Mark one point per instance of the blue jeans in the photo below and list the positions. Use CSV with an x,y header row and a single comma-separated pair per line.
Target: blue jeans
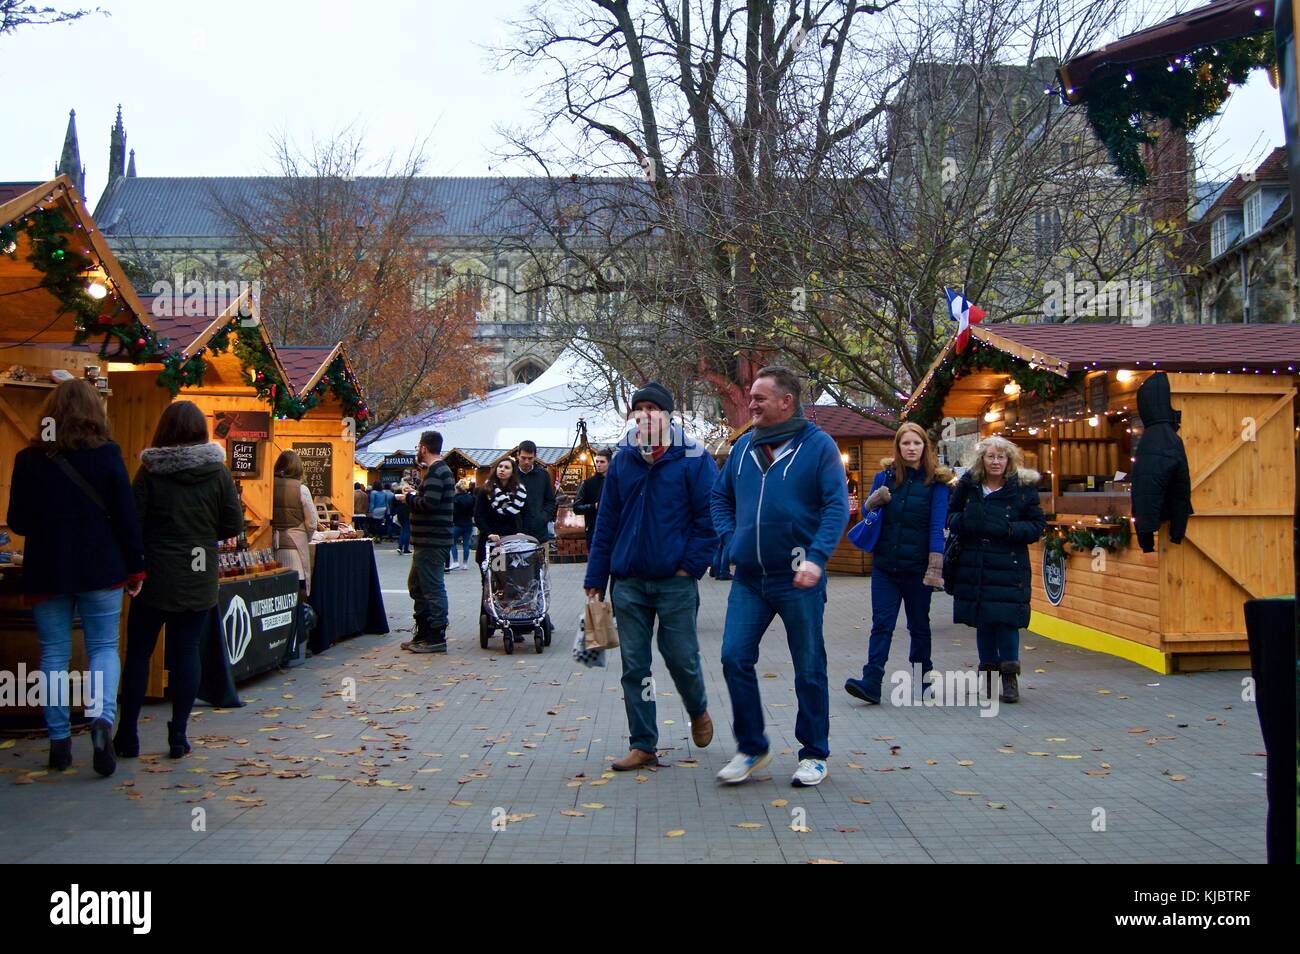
x,y
100,611
463,537
428,586
404,533
888,593
751,607
675,601
997,643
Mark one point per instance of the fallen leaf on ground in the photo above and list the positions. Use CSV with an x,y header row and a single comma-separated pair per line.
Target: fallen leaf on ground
x,y
750,825
964,794
860,800
572,814
675,833
779,803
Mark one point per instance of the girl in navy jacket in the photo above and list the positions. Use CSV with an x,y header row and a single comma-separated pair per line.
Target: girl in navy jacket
x,y
912,494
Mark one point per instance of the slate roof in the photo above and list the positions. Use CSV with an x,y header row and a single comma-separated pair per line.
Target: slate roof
x,y
181,207
302,362
845,422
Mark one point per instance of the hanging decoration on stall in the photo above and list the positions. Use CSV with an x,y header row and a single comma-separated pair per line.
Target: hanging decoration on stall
x,y
1112,534
250,348
64,269
1186,91
1033,379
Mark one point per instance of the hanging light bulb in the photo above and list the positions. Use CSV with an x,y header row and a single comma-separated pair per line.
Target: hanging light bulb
x,y
1011,389
1094,421
1124,376
97,290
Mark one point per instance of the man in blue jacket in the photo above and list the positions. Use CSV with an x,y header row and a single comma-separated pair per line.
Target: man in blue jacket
x,y
654,536
780,506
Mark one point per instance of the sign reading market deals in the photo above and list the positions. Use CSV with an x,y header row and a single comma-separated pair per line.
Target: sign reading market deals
x,y
317,468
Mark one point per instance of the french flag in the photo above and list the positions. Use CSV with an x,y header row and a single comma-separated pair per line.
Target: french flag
x,y
966,313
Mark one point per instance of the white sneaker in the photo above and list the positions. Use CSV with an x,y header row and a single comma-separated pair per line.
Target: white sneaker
x,y
454,566
809,773
742,766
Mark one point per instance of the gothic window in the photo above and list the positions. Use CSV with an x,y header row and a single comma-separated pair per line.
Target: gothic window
x,y
528,372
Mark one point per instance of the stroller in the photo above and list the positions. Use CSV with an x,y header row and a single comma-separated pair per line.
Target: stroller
x,y
515,593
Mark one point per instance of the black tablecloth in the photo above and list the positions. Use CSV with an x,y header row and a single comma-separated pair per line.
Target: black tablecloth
x,y
345,592
249,632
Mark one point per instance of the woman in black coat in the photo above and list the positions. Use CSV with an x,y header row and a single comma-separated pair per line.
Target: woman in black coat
x,y
187,502
995,513
71,499
498,511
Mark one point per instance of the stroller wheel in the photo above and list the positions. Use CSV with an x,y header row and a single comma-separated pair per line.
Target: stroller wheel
x,y
509,641
484,631
539,640
547,629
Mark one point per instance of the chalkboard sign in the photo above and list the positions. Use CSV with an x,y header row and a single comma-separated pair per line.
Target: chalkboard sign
x,y
243,458
317,468
1034,410
1097,394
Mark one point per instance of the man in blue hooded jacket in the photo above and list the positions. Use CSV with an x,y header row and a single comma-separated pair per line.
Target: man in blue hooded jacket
x,y
780,506
654,535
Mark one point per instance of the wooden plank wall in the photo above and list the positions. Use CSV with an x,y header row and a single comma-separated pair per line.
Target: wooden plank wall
x,y
1122,598
323,424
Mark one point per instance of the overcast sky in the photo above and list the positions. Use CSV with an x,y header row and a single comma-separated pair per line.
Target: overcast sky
x,y
204,85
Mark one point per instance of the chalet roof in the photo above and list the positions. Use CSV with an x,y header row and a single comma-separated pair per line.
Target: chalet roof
x,y
304,364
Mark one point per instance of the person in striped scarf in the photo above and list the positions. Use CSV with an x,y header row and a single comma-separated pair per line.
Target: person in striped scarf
x,y
498,512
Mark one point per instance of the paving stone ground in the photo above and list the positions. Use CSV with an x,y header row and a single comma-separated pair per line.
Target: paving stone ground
x,y
437,748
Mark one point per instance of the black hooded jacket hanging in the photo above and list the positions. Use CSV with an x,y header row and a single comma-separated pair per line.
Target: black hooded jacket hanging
x,y
1162,485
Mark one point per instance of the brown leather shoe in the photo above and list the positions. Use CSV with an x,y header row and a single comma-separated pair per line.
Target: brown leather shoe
x,y
702,730
634,760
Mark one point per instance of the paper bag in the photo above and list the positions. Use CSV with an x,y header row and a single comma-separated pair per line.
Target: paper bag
x,y
598,625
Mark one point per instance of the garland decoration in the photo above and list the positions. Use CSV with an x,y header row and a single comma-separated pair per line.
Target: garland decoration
x,y
1083,540
63,269
984,357
1186,91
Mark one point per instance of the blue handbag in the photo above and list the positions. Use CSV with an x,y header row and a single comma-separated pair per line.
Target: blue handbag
x,y
866,532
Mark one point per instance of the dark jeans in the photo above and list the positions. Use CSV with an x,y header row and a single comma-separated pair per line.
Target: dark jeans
x,y
675,601
888,593
404,536
751,607
185,629
427,585
462,536
997,643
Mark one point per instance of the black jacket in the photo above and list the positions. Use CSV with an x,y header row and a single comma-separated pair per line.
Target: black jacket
x,y
585,502
491,521
993,575
1162,485
71,546
905,531
462,509
186,500
540,507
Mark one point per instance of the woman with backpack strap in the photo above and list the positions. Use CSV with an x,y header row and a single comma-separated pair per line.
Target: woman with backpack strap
x,y
907,559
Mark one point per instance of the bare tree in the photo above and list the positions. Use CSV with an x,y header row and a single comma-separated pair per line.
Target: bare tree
x,y
799,181
15,14
342,252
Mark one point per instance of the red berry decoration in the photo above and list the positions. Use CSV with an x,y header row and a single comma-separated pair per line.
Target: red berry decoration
x,y
139,342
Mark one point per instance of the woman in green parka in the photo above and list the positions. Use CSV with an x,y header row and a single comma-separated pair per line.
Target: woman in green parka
x,y
187,502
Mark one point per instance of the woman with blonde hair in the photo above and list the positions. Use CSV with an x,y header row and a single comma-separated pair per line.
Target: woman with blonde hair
x,y
911,493
995,514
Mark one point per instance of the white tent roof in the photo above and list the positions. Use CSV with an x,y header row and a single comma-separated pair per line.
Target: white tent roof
x,y
546,411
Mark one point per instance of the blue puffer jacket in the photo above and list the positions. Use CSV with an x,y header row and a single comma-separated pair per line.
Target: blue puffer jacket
x,y
913,520
654,520
797,510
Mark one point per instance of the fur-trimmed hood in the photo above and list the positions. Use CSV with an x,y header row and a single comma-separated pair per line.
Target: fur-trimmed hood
x,y
1025,476
941,472
197,461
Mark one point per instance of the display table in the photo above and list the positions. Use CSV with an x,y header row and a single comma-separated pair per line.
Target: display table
x,y
345,592
250,631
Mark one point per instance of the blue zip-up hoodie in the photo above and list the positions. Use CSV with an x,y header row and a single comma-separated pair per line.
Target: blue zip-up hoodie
x,y
654,520
799,508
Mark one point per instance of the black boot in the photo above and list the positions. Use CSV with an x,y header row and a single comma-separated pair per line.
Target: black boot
x,y
1010,684
60,754
101,733
421,636
126,743
986,671
437,641
177,745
